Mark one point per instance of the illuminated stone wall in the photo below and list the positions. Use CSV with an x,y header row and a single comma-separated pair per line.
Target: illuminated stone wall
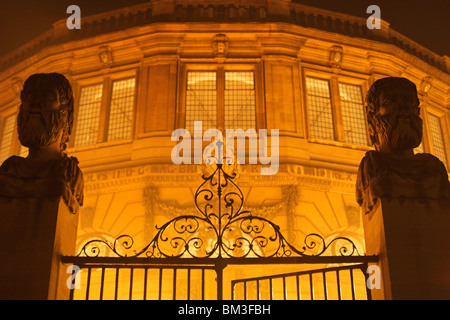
x,y
131,184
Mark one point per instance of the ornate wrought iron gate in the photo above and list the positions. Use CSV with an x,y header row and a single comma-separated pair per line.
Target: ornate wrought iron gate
x,y
209,255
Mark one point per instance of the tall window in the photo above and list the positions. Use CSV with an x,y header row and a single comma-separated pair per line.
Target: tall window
x,y
88,115
353,119
436,137
224,99
240,105
121,112
331,100
7,137
319,108
105,118
201,99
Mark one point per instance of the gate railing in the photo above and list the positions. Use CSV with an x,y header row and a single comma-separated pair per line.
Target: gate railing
x,y
220,234
114,278
346,282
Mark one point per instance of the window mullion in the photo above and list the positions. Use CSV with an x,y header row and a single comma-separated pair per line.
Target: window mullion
x,y
339,134
426,135
221,98
105,110
76,89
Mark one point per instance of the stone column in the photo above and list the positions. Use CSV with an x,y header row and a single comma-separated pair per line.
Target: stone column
x,y
412,239
34,234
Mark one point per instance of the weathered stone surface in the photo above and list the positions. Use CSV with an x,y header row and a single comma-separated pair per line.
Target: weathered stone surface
x,y
44,124
40,195
395,129
405,198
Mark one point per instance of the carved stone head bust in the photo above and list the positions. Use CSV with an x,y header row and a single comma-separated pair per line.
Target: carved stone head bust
x,y
44,125
393,115
395,129
46,113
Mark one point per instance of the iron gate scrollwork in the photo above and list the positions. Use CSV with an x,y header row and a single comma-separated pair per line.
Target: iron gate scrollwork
x,y
220,233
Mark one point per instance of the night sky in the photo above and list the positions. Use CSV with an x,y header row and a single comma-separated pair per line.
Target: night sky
x,y
425,22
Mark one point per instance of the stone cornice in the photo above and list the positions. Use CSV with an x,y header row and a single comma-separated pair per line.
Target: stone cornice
x,y
142,176
223,11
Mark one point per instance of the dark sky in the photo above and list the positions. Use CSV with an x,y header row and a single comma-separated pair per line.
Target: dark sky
x,y
425,22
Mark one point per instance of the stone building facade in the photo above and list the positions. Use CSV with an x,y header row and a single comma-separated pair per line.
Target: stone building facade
x,y
140,72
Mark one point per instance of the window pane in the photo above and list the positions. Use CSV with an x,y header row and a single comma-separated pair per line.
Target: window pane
x,y
353,114
88,115
23,152
436,137
201,99
240,105
319,108
7,137
419,149
121,113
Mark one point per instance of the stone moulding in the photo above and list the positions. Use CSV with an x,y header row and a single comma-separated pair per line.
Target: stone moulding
x,y
171,175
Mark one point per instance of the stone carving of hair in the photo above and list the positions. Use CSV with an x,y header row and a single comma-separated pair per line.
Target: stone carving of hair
x,y
373,99
60,82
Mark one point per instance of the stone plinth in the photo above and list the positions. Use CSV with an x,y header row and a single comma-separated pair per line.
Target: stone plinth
x,y
412,239
34,234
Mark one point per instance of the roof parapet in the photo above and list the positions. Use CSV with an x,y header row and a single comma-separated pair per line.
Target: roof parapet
x,y
223,11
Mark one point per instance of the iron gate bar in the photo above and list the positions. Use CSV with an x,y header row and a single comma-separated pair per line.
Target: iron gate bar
x,y
218,264
87,261
132,267
359,266
220,234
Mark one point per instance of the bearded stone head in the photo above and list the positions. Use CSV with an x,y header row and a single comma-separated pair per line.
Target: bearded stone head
x,y
393,115
46,112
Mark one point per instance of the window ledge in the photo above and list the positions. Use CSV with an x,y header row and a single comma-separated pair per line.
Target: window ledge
x,y
99,145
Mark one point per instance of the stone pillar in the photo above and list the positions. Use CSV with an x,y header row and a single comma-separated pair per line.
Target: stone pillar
x,y
412,239
34,234
404,197
40,195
